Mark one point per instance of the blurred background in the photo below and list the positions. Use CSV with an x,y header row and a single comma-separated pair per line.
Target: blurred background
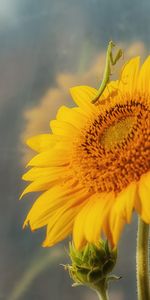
x,y
47,46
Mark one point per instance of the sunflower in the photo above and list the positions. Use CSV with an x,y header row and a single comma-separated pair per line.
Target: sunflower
x,y
93,168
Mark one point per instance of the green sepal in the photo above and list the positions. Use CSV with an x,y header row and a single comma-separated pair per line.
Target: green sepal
x,y
92,265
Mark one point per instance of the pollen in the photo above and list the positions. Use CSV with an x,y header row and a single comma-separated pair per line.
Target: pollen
x,y
113,150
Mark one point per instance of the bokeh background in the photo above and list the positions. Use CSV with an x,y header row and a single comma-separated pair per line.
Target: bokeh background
x,y
47,46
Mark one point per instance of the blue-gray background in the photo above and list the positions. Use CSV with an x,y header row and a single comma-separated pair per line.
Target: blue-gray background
x,y
43,45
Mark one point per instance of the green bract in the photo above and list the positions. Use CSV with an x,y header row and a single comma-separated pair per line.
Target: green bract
x,y
92,265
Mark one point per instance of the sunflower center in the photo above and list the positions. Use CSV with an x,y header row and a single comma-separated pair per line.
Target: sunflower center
x,y
117,132
113,150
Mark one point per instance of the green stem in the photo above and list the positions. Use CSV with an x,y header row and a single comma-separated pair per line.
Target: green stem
x,y
103,295
102,290
142,261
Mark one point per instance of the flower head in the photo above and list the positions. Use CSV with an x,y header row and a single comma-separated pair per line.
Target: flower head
x,y
94,168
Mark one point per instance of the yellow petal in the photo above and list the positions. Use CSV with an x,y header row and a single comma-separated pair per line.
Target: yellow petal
x,y
129,76
107,230
144,77
117,230
71,116
37,173
124,203
44,183
60,226
80,111
144,194
88,222
83,95
54,157
101,204
78,228
51,201
122,210
42,142
37,186
63,128
111,90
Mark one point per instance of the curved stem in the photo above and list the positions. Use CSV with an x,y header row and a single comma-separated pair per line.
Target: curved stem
x,y
142,262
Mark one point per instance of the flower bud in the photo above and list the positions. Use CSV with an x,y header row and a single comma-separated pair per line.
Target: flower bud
x,y
91,265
